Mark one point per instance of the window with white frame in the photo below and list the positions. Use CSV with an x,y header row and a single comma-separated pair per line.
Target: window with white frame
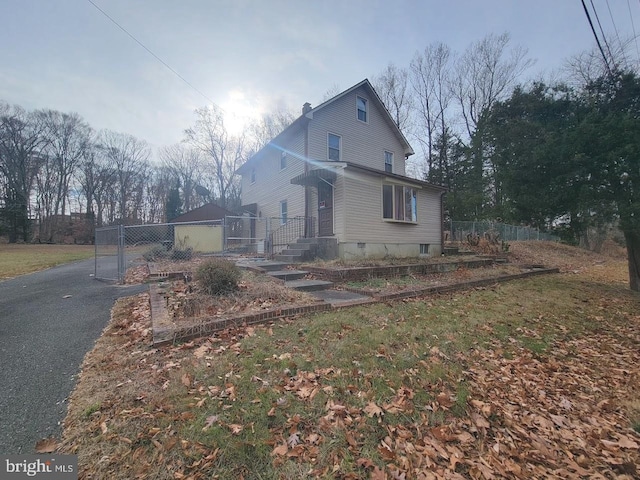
x,y
253,175
283,160
388,162
283,212
334,146
399,203
361,106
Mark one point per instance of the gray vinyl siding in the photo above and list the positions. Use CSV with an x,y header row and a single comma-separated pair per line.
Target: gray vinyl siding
x,y
364,222
362,143
273,184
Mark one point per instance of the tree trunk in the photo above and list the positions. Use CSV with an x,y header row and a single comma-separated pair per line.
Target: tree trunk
x,y
632,239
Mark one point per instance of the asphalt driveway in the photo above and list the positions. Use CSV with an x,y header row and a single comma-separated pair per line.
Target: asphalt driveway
x,y
43,339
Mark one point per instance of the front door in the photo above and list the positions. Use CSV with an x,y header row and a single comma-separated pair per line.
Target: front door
x,y
325,209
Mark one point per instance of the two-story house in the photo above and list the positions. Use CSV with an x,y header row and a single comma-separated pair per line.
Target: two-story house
x,y
340,168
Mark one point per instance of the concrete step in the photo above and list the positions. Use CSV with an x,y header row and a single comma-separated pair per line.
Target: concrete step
x,y
295,251
301,246
288,275
308,285
266,265
289,258
307,241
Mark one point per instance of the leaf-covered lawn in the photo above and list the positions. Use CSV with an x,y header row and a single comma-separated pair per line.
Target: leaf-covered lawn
x,y
535,378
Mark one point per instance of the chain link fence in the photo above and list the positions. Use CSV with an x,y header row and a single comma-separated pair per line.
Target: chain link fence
x,y
460,231
120,247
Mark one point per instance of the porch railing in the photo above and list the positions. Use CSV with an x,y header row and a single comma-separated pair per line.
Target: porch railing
x,y
288,232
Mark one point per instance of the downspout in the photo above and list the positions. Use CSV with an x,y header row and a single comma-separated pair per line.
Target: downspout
x,y
308,227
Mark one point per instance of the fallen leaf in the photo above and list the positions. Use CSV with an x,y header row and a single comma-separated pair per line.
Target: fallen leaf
x,y
235,428
209,422
46,445
373,410
280,450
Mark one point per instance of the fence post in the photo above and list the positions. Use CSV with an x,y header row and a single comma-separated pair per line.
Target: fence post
x,y
121,247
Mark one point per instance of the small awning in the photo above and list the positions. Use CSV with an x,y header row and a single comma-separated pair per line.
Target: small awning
x,y
312,177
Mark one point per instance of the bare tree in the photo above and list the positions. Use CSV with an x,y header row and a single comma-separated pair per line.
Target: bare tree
x,y
331,92
157,192
431,81
69,137
267,127
485,73
223,152
392,85
184,164
128,156
588,66
21,140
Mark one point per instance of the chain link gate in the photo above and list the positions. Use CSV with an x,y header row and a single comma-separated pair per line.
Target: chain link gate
x,y
119,247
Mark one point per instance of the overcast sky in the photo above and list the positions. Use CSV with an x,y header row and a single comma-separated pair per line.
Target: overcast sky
x,y
250,56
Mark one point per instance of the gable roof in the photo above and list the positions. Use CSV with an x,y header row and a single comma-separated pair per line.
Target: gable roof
x,y
366,84
208,211
305,117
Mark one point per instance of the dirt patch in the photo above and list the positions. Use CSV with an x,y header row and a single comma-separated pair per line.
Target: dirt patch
x,y
256,292
415,281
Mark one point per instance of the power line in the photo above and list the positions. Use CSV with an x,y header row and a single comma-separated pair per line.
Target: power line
x,y
604,57
615,29
604,37
150,52
633,27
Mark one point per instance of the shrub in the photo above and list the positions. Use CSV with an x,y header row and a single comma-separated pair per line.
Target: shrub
x,y
217,276
155,253
182,254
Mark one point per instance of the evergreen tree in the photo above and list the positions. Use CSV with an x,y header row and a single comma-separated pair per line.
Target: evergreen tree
x,y
174,203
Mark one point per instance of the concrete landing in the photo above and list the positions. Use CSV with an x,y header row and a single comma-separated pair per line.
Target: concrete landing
x,y
342,298
288,275
308,285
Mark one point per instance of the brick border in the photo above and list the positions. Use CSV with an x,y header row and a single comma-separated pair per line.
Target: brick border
x,y
165,336
461,286
358,273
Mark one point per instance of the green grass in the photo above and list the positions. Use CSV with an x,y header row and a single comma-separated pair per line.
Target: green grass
x,y
370,353
20,259
315,376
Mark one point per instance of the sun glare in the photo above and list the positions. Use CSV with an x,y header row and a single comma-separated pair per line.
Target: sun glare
x,y
239,111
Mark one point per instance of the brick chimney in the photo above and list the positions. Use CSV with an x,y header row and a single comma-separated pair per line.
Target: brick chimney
x,y
306,108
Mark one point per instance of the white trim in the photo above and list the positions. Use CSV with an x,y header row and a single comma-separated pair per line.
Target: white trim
x,y
339,147
393,219
366,109
385,161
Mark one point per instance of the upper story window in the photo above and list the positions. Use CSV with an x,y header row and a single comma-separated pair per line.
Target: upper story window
x,y
283,160
361,104
253,175
388,162
334,145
